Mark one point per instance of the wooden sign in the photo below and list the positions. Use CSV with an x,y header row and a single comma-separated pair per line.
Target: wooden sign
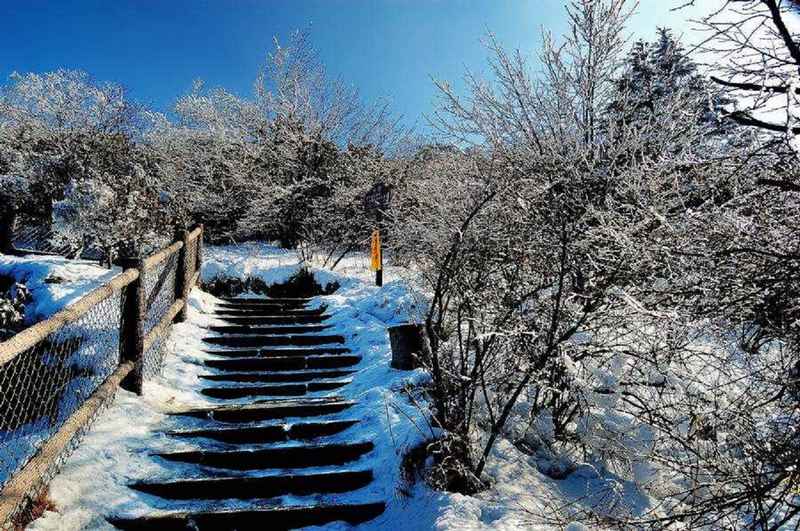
x,y
376,263
378,197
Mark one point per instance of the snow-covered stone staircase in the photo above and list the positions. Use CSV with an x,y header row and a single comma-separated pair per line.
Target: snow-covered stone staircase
x,y
276,374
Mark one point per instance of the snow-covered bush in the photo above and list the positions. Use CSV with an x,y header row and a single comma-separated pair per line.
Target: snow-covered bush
x,y
68,140
302,283
593,261
304,147
12,307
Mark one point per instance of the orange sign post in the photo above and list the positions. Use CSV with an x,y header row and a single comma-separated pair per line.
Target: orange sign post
x,y
376,262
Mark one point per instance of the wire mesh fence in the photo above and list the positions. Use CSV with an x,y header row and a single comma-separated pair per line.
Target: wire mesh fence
x,y
51,372
159,286
32,233
44,385
35,234
154,357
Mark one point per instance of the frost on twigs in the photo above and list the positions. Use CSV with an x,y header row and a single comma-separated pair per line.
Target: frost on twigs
x,y
614,286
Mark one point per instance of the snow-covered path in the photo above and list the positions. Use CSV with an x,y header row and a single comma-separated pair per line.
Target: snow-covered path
x,y
125,445
259,455
122,446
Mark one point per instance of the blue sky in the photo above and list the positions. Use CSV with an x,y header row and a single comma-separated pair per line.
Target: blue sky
x,y
387,48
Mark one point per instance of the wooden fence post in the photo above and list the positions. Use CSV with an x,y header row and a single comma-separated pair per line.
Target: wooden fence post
x,y
183,273
131,338
7,222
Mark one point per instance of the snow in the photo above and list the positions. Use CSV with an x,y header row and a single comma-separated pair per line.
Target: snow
x,y
54,282
117,450
273,265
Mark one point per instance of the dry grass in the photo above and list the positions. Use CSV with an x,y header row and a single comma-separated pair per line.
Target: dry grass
x,y
37,507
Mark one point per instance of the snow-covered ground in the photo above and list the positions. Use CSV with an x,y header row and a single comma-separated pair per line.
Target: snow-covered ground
x,y
274,265
54,282
117,450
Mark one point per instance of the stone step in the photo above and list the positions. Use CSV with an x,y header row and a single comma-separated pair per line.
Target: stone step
x,y
250,488
257,304
278,518
286,363
232,393
267,312
270,410
286,319
300,431
273,340
264,349
282,457
293,389
275,377
268,330
277,352
265,299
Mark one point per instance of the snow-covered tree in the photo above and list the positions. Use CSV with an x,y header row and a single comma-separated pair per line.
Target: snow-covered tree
x,y
267,166
755,49
115,208
68,140
512,238
585,300
654,72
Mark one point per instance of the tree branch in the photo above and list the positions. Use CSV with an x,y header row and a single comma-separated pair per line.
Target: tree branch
x,y
742,118
777,20
777,89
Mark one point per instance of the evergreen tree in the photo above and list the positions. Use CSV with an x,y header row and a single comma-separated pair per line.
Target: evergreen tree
x,y
655,72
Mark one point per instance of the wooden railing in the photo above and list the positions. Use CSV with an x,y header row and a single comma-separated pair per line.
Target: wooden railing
x,y
56,375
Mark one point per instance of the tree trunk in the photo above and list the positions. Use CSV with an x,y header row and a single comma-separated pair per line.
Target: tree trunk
x,y
7,221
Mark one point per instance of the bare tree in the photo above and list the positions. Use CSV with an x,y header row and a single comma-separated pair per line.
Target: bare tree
x,y
601,287
756,56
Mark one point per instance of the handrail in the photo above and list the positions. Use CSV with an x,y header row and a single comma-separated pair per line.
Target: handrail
x,y
193,235
163,254
14,494
30,337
